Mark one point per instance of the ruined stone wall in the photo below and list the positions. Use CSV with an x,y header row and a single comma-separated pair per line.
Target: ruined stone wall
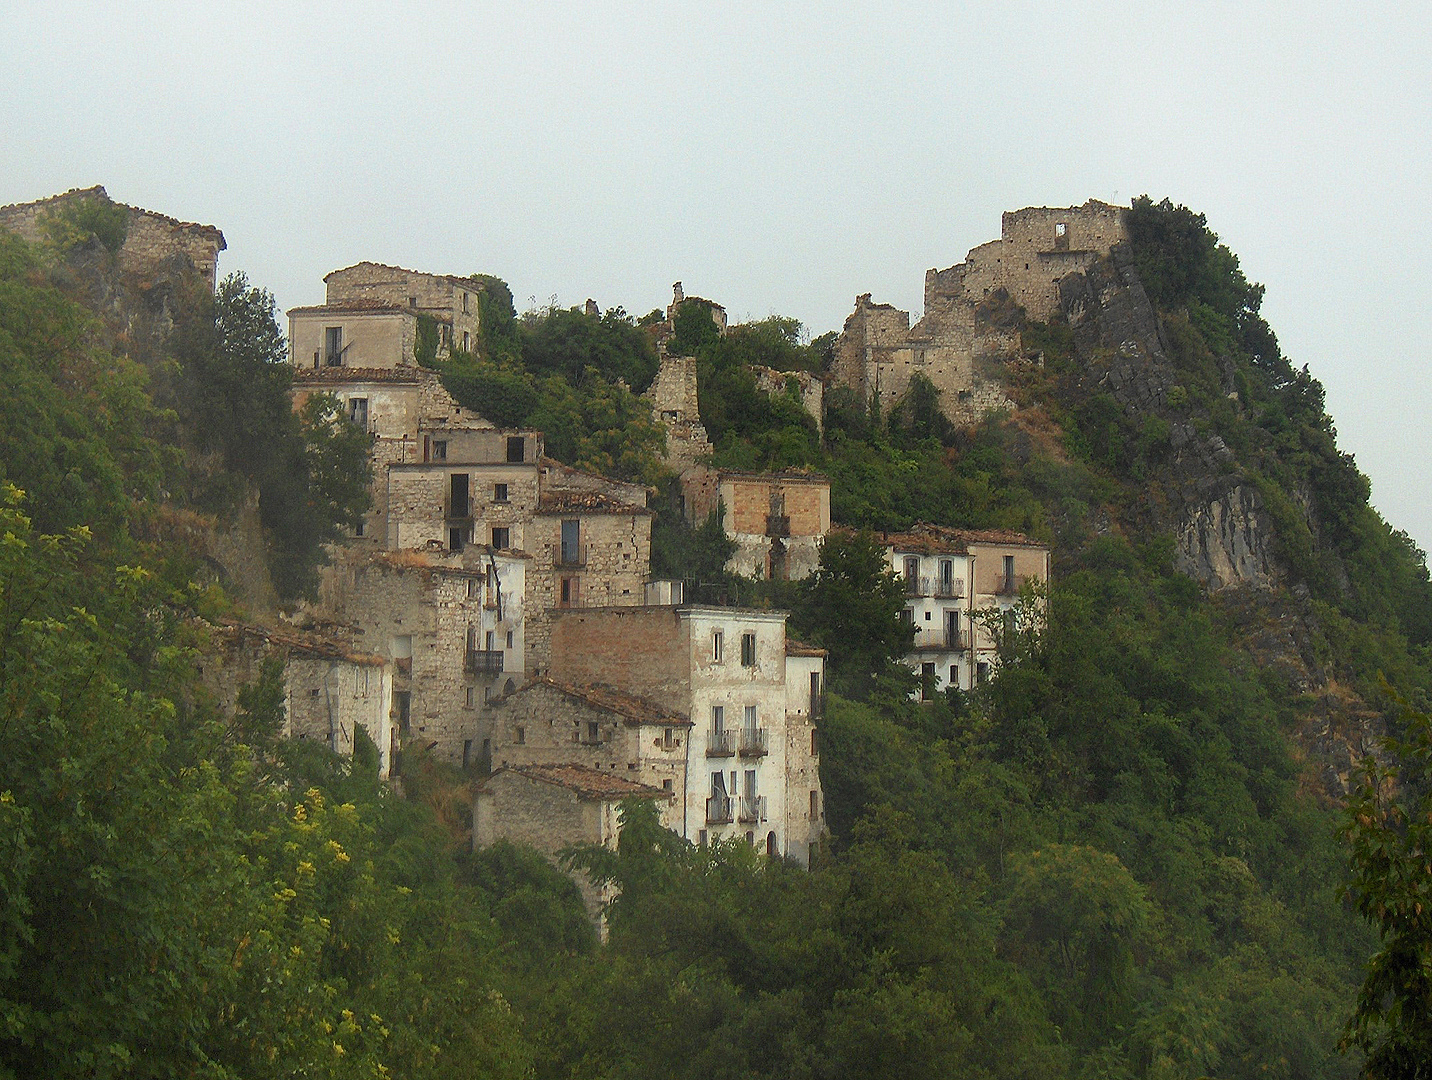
x,y
777,522
152,239
869,332
809,386
674,403
439,295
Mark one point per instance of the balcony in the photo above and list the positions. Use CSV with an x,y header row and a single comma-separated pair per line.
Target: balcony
x,y
483,662
571,555
917,586
752,808
939,640
778,525
949,588
720,743
753,742
718,810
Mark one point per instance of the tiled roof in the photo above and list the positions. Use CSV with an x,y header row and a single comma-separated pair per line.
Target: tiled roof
x,y
923,539
800,648
341,374
301,640
588,502
354,307
637,710
801,476
587,782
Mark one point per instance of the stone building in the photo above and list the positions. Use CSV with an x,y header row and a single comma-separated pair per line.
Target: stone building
x,y
330,689
547,722
552,807
150,241
970,327
776,519
804,385
673,402
452,625
753,699
950,575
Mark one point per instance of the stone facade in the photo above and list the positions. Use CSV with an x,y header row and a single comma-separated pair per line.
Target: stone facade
x,y
329,689
552,807
673,402
809,387
950,575
151,239
451,623
450,300
776,519
751,761
971,319
547,722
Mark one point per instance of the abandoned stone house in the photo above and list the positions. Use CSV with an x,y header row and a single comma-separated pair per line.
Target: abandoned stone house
x,y
970,326
739,706
551,807
330,690
461,509
150,242
950,576
777,519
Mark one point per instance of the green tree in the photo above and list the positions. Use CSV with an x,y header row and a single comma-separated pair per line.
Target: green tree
x,y
1389,828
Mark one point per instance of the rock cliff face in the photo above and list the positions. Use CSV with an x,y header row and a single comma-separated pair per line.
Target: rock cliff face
x,y
1222,534
1225,537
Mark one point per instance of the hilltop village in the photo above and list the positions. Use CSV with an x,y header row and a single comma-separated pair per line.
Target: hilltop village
x,y
496,608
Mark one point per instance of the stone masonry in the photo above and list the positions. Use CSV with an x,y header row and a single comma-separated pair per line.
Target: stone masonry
x,y
151,238
971,319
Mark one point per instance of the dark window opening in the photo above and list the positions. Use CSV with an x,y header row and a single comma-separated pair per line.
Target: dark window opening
x,y
358,411
499,493
333,346
748,650
516,449
459,506
501,537
439,449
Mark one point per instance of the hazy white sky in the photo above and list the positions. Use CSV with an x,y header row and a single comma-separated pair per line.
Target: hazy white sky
x,y
780,158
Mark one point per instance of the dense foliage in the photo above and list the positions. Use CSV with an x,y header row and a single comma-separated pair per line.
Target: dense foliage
x,y
1108,862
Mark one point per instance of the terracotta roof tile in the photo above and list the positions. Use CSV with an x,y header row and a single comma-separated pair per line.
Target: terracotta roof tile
x,y
358,375
587,782
800,648
637,710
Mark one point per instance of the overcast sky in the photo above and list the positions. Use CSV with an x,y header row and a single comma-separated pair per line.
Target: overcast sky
x,y
779,158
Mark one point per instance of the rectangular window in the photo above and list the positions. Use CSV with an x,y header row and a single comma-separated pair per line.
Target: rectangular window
x,y
439,449
1008,583
464,302
501,537
593,733
718,639
358,411
700,837
571,550
499,493
333,346
912,568
748,650
718,718
749,718
814,743
509,639
666,785
815,805
515,450
457,538
520,735
570,594
466,752
467,703
458,503
466,341
474,588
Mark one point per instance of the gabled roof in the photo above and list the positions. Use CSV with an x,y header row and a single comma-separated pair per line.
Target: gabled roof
x,y
303,641
586,782
632,709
